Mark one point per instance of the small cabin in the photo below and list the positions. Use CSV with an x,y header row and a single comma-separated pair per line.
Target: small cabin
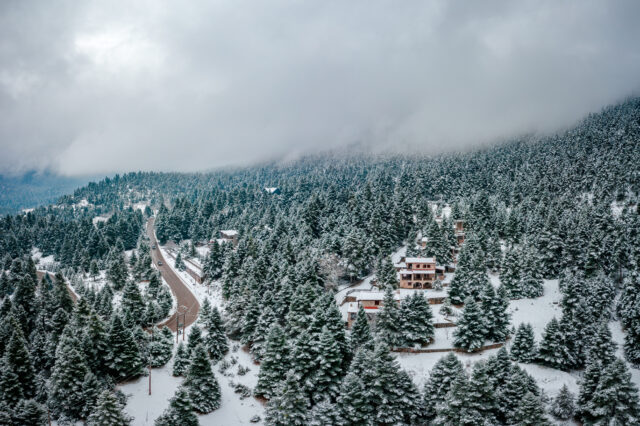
x,y
230,235
273,190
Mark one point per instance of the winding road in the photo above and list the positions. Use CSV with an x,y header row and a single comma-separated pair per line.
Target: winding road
x,y
187,302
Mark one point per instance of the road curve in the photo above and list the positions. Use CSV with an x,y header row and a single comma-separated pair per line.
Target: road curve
x,y
186,300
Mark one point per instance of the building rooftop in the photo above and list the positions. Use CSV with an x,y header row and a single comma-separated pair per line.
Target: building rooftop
x,y
420,260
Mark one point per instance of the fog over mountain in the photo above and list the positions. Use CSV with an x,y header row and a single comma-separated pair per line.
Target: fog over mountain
x,y
99,87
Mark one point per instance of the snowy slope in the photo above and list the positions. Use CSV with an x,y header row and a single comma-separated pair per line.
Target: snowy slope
x,y
233,410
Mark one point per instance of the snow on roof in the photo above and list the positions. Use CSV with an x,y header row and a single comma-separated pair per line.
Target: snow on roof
x,y
400,265
219,240
229,232
352,307
97,219
368,295
425,239
271,190
372,295
420,260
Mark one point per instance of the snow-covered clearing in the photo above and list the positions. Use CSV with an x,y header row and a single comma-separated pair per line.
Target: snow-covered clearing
x,y
146,408
233,410
538,312
618,337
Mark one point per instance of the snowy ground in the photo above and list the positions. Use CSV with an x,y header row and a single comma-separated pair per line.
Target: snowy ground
x,y
44,263
233,410
538,312
146,408
618,337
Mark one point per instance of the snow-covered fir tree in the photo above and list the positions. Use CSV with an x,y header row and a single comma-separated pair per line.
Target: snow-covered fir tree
x,y
523,348
531,412
290,404
417,320
124,359
180,411
439,383
108,412
471,328
563,405
181,360
389,327
201,384
360,331
215,341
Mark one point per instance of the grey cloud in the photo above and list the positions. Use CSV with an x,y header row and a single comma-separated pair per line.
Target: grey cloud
x,y
97,87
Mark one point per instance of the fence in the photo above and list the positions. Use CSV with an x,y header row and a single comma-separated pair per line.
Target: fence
x,y
459,350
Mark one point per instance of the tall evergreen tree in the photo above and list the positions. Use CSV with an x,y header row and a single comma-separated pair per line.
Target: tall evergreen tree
x,y
417,320
17,361
327,377
179,412
523,348
439,383
275,363
124,359
386,273
615,400
201,384
530,412
360,331
289,406
29,412
511,394
132,301
388,323
323,413
563,405
181,360
553,351
481,395
457,409
66,397
216,340
471,330
108,412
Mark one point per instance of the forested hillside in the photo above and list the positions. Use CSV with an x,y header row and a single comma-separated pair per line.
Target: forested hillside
x,y
34,189
562,207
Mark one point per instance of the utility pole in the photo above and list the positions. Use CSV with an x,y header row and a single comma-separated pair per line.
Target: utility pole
x,y
184,323
150,363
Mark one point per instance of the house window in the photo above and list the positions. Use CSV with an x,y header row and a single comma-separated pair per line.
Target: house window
x,y
377,302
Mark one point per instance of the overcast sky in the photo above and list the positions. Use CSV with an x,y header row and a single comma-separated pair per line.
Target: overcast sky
x,y
89,87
